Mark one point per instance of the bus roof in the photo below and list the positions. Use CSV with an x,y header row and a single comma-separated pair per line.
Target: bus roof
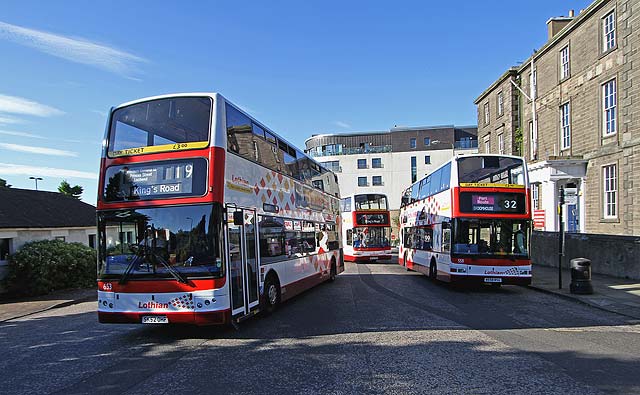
x,y
215,96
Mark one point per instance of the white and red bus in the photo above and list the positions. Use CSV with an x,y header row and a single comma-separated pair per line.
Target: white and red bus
x,y
366,227
469,221
205,216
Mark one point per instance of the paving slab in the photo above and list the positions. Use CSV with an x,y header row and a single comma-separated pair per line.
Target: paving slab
x,y
11,309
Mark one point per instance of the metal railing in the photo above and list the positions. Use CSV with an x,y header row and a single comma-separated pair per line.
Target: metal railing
x,y
353,151
466,144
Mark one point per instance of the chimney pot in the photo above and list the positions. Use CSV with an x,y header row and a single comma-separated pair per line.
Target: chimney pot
x,y
571,13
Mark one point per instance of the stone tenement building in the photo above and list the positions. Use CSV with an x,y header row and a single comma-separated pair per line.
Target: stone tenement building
x,y
586,133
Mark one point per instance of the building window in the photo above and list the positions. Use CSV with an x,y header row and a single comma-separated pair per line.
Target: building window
x,y
533,84
565,126
414,170
362,181
486,113
376,180
412,143
376,163
487,145
564,63
362,163
609,107
333,165
533,139
500,103
92,241
610,191
427,159
609,31
5,250
501,144
427,141
535,196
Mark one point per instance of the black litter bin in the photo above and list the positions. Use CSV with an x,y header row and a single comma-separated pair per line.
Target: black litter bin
x,y
581,276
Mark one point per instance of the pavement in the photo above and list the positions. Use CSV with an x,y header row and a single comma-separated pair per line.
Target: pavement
x,y
21,307
611,294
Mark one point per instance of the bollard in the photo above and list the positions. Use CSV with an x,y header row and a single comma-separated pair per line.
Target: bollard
x,y
581,276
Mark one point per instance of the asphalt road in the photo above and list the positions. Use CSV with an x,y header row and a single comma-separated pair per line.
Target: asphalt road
x,y
377,329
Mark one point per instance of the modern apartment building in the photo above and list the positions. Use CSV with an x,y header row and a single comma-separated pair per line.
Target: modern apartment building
x,y
572,109
389,161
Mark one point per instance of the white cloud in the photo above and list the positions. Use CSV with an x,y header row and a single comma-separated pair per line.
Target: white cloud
x,y
22,134
76,50
343,125
37,150
7,120
20,105
13,169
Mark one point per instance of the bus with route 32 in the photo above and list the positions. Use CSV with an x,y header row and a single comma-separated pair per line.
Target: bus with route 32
x,y
469,221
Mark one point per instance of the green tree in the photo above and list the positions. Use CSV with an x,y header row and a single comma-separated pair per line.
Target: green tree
x,y
66,189
3,183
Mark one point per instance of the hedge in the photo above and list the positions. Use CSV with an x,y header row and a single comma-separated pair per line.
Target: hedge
x,y
40,267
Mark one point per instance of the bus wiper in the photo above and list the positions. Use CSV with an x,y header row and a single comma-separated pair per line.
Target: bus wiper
x,y
130,266
169,268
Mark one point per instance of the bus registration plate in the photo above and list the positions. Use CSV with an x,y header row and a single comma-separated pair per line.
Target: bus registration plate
x,y
155,319
492,280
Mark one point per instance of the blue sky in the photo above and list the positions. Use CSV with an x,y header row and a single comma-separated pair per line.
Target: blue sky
x,y
299,67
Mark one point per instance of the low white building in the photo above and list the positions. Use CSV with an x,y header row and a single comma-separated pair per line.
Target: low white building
x,y
390,161
27,215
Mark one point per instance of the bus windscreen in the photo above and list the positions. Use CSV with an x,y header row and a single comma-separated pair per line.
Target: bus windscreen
x,y
370,201
490,170
160,125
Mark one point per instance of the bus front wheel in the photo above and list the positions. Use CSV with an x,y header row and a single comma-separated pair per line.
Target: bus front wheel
x,y
271,294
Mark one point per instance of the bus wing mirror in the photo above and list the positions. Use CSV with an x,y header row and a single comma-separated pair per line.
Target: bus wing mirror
x,y
238,218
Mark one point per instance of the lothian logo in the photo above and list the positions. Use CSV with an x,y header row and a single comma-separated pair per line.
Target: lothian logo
x,y
152,305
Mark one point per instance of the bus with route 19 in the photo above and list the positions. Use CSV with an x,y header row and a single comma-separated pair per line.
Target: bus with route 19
x,y
205,216
366,227
469,221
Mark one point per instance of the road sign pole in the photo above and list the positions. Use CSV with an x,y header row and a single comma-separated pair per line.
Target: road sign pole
x,y
560,236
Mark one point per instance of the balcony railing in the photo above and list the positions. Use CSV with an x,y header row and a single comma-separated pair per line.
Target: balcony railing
x,y
354,151
467,144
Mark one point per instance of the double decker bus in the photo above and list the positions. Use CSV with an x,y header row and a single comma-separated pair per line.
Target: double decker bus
x,y
469,221
366,227
205,216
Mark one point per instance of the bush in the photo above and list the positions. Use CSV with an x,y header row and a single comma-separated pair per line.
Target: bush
x,y
43,266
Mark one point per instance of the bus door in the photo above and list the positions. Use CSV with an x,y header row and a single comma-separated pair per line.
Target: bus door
x,y
243,260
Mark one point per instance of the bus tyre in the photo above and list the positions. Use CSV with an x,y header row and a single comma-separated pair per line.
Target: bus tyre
x,y
333,272
433,271
271,294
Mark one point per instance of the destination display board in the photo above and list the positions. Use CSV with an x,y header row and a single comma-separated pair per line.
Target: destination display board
x,y
156,180
492,202
372,219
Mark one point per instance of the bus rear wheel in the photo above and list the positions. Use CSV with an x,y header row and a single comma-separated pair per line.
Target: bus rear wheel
x,y
333,272
433,271
271,294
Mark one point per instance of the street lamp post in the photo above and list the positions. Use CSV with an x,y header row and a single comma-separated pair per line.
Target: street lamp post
x,y
36,180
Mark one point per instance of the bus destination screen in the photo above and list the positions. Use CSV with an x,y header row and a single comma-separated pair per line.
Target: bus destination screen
x,y
372,219
507,203
156,180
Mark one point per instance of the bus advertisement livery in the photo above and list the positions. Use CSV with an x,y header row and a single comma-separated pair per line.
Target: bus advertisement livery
x,y
469,221
205,216
366,227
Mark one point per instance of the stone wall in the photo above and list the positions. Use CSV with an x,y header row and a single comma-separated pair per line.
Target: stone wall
x,y
617,256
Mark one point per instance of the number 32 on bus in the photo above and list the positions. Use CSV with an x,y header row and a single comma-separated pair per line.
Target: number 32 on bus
x,y
469,221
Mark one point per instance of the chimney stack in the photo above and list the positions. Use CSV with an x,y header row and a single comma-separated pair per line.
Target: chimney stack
x,y
555,24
